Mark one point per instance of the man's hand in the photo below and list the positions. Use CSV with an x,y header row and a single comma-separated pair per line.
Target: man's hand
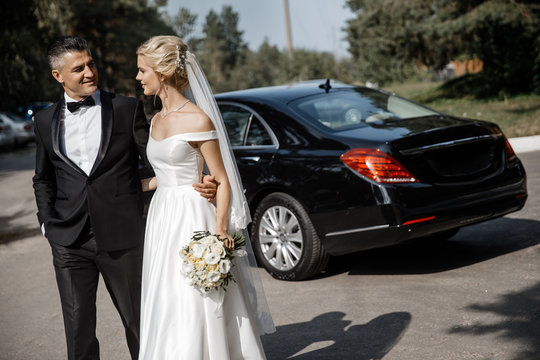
x,y
207,188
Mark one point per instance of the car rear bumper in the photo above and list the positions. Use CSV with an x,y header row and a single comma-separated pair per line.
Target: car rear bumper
x,y
397,225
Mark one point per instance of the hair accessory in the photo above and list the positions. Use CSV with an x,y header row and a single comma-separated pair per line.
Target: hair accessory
x,y
180,60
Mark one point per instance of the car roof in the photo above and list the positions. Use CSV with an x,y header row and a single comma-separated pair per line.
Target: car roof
x,y
284,93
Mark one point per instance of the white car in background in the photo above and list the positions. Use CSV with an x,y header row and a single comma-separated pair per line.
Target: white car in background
x,y
22,129
7,137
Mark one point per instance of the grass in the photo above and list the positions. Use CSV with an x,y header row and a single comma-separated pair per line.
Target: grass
x,y
516,116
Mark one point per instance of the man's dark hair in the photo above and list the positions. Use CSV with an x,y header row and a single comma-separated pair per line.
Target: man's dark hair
x,y
63,45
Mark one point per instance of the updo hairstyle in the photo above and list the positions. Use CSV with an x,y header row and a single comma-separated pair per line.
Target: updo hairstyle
x,y
166,55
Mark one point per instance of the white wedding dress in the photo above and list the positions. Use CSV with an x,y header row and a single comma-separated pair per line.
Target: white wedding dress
x,y
177,322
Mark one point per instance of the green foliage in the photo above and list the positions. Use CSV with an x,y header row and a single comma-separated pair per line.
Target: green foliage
x,y
113,29
184,24
516,115
391,40
504,35
260,67
386,39
222,49
23,65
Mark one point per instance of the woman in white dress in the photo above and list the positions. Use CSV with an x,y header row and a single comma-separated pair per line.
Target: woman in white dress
x,y
177,320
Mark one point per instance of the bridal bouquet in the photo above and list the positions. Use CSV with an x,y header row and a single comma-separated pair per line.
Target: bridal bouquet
x,y
207,261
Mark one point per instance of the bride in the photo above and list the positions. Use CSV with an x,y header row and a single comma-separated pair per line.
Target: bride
x,y
177,320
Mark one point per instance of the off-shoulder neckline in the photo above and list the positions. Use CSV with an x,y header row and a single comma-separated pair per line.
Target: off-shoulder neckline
x,y
180,134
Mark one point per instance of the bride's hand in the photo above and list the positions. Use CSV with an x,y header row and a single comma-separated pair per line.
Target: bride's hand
x,y
228,240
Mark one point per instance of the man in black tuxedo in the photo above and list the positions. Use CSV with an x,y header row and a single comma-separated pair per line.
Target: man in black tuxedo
x,y
89,196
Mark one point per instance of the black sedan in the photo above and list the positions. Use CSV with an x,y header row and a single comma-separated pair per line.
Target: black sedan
x,y
331,169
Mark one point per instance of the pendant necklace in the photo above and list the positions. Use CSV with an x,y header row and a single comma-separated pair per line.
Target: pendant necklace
x,y
163,116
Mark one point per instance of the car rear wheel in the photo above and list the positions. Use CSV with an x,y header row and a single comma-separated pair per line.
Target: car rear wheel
x,y
285,240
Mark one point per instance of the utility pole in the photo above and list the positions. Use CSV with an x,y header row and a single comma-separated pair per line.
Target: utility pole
x,y
288,28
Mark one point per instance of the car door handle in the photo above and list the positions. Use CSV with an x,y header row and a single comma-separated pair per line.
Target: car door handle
x,y
250,159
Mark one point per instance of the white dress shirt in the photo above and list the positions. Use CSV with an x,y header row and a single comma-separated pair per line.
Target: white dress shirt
x,y
80,133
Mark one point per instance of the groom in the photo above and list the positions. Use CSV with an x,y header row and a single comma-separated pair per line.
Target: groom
x,y
88,193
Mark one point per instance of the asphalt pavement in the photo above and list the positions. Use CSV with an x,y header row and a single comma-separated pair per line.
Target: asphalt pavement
x,y
476,296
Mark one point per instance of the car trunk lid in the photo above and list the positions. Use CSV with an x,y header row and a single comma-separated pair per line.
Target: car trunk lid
x,y
456,153
439,149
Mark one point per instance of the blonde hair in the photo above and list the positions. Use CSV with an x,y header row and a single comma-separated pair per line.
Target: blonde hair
x,y
166,55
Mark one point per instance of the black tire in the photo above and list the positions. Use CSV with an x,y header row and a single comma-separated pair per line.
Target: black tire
x,y
295,258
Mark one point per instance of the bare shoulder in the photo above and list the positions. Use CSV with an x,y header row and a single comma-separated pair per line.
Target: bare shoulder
x,y
198,121
189,120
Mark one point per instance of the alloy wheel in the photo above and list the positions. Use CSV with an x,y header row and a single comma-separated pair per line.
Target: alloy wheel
x,y
280,238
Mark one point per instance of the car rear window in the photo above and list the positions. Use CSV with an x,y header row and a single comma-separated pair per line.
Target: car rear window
x,y
345,109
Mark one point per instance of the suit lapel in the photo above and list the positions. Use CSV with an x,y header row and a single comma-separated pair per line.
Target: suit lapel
x,y
106,127
55,137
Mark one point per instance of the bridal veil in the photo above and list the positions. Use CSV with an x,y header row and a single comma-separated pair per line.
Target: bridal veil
x,y
200,93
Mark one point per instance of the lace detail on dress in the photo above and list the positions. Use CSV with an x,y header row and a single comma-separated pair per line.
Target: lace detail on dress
x,y
238,219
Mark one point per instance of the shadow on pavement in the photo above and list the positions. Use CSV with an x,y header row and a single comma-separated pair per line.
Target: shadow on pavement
x,y
520,323
9,232
471,245
328,336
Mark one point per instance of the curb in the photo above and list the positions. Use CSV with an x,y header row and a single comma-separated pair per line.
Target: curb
x,y
525,144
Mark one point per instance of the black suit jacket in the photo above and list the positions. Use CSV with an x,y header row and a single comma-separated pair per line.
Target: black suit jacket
x,y
110,196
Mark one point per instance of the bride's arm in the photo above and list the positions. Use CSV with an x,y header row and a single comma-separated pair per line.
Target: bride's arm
x,y
149,184
212,156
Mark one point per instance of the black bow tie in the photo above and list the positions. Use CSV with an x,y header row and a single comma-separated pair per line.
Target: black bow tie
x,y
75,105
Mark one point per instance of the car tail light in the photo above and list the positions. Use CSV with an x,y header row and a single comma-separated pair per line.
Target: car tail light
x,y
1,129
377,165
28,127
510,154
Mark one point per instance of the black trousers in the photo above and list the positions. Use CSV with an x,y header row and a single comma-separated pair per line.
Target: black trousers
x,y
77,273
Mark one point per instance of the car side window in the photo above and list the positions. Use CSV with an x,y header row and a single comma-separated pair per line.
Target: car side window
x,y
236,122
257,134
243,127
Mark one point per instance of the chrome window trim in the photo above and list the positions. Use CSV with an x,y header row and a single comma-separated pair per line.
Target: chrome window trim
x,y
268,129
248,126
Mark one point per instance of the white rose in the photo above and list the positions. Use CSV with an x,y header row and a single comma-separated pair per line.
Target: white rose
x,y
214,276
198,250
218,249
190,281
224,266
209,240
211,259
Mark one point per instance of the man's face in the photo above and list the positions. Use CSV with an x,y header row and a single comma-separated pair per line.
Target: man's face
x,y
78,74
